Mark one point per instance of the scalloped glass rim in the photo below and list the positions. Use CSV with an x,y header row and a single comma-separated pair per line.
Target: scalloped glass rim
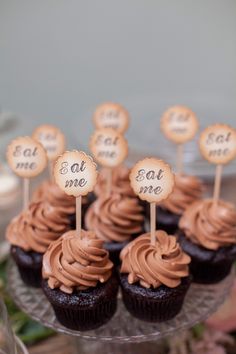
x,y
201,301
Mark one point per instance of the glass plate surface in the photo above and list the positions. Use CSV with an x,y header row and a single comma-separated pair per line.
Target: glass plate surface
x,y
201,301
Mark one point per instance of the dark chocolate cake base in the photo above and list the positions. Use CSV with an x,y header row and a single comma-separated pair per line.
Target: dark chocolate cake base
x,y
29,265
208,266
153,305
167,221
86,309
114,249
72,218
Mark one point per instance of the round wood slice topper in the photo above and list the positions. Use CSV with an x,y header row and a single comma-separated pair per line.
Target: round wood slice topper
x,y
108,147
75,173
152,180
111,115
218,143
52,139
26,157
179,124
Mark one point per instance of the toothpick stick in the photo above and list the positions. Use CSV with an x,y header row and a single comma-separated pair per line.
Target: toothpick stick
x,y
179,160
25,192
153,222
109,181
78,215
50,170
217,185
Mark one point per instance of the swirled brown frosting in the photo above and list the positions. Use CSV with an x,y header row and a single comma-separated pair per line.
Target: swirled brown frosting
x,y
151,266
50,192
187,190
78,263
36,227
115,218
208,225
120,182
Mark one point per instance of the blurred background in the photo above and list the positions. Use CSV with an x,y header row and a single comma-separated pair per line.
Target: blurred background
x,y
60,58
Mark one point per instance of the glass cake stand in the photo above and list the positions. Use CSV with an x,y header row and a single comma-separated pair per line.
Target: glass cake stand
x,y
201,301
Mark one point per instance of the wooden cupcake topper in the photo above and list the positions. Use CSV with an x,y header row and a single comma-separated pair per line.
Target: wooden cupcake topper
x,y
53,141
218,146
111,115
27,159
76,175
153,181
179,124
109,149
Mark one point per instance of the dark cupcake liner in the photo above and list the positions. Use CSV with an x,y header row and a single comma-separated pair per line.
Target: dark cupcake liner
x,y
114,248
166,220
72,218
87,309
29,265
153,305
208,266
91,197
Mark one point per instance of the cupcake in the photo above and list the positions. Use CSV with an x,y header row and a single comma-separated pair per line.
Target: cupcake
x,y
120,182
154,279
187,190
79,282
30,234
116,220
208,234
50,192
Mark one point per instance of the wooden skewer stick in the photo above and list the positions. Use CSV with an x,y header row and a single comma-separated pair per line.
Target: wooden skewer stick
x,y
109,182
26,196
217,185
153,222
50,170
78,215
180,158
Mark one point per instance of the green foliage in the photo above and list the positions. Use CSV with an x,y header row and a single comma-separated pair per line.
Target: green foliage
x,y
28,330
198,330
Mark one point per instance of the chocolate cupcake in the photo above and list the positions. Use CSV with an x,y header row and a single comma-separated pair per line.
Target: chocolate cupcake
x,y
116,220
49,192
187,190
79,281
30,234
154,279
208,234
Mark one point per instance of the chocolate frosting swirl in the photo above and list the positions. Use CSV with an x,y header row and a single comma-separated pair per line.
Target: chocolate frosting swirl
x,y
115,218
208,225
120,182
187,190
50,192
78,263
35,228
164,263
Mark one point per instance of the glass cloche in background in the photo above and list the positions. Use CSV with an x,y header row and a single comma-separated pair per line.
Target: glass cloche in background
x,y
10,188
